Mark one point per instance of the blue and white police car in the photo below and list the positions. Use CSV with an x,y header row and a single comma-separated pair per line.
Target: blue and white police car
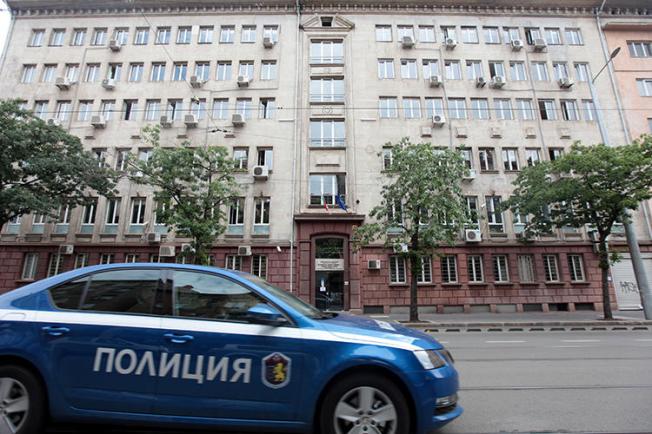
x,y
181,345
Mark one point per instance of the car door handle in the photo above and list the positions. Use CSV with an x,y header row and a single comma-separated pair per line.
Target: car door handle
x,y
55,331
178,339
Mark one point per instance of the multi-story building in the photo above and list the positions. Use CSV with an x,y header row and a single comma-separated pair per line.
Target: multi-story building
x,y
306,95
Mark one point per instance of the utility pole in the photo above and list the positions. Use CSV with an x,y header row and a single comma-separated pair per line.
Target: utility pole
x,y
632,242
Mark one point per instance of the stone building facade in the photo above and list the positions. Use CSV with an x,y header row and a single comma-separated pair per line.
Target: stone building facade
x,y
306,95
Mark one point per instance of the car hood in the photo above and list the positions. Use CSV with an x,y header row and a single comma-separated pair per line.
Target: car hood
x,y
377,332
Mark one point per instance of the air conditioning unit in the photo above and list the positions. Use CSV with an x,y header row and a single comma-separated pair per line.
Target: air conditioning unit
x,y
165,121
187,248
108,83
450,43
167,251
243,81
54,122
244,250
237,119
63,83
497,82
426,132
517,44
66,249
435,80
472,235
480,82
401,248
438,120
195,81
470,175
407,41
540,44
566,83
152,237
115,45
261,172
190,120
98,121
373,264
268,42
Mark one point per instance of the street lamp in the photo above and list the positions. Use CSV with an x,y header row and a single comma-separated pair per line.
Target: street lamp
x,y
632,242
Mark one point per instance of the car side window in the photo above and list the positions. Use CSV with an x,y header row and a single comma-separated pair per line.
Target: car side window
x,y
68,295
122,291
202,295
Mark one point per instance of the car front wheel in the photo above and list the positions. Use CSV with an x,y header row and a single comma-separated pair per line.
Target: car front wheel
x,y
22,401
364,404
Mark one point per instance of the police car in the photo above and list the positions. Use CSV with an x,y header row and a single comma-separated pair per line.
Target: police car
x,y
183,345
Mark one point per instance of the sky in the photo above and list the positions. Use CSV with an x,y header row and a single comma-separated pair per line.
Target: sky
x,y
4,24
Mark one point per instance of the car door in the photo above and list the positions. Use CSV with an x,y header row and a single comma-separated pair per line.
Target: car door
x,y
221,365
101,340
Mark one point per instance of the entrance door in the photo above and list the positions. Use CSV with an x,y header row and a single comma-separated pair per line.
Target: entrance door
x,y
329,273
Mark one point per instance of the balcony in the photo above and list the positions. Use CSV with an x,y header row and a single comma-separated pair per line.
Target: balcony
x,y
327,60
328,142
337,98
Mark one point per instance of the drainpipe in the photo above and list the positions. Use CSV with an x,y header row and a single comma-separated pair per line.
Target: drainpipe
x,y
296,140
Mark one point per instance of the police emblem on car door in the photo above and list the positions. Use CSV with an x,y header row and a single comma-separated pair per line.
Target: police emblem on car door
x,y
276,370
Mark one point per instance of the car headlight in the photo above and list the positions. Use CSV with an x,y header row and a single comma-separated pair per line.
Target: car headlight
x,y
448,356
429,359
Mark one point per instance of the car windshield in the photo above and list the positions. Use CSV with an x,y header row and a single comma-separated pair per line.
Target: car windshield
x,y
294,302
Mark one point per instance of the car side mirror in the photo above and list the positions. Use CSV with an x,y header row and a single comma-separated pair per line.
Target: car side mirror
x,y
265,314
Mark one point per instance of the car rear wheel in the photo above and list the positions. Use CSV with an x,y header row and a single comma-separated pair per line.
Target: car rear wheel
x,y
364,404
22,401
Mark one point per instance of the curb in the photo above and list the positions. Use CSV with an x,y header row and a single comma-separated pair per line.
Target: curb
x,y
538,326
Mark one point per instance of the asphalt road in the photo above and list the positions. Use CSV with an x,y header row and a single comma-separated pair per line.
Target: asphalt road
x,y
541,382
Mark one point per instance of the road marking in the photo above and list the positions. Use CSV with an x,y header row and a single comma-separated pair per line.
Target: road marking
x,y
505,342
580,340
643,340
570,346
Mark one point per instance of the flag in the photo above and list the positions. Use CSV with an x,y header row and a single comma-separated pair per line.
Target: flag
x,y
326,206
340,202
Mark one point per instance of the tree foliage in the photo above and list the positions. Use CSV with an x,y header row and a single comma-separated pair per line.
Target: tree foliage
x,y
422,206
192,187
43,167
593,186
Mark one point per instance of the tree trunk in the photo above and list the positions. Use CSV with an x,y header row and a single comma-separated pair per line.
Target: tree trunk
x,y
414,300
604,266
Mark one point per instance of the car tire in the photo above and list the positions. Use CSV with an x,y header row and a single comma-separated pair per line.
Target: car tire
x,y
364,403
22,400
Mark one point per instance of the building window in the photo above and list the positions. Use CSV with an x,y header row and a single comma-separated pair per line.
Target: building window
x,y
243,106
576,268
540,71
474,266
430,68
268,70
29,72
388,107
135,72
142,36
408,68
71,72
517,71
48,74
56,264
84,111
560,69
205,35
640,48
324,189
233,262
469,35
121,35
533,157
552,36
434,106
503,109
179,71
582,72
511,34
261,211
223,71
115,71
474,69
426,33
81,260
491,35
131,258
547,109
175,109
63,110
412,108
113,211
531,34
259,266
227,34
99,37
56,37
452,70
220,108
328,52
494,215
107,108
41,109
385,68
449,269
396,270
30,263
129,109
573,37
184,35
152,109
510,159
203,70
106,258
138,211
198,108
163,35
327,90
570,110
425,273
525,109
550,268
265,157
555,153
271,32
246,69
267,108
248,35
92,73
36,39
501,271
404,31
448,32
644,86
383,33
328,133
479,109
241,158
236,212
467,156
487,159
457,108
496,69
388,158
526,268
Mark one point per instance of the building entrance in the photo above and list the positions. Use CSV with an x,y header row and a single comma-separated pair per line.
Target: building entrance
x,y
329,273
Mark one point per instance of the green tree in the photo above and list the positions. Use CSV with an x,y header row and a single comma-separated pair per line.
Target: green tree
x,y
422,206
192,187
43,167
594,186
